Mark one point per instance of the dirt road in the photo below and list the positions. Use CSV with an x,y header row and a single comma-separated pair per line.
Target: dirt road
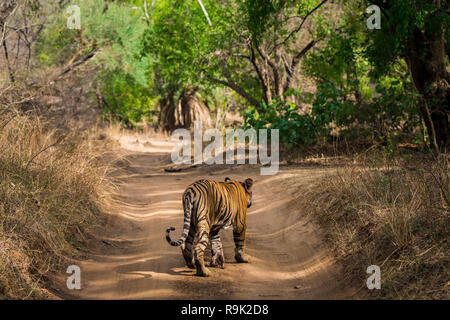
x,y
134,261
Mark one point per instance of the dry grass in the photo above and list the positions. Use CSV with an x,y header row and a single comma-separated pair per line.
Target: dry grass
x,y
51,190
394,214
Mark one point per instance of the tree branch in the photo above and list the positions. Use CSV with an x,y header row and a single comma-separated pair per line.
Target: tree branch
x,y
239,90
146,11
295,61
261,74
296,30
275,69
5,51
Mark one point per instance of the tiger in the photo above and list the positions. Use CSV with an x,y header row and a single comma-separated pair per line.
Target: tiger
x,y
208,207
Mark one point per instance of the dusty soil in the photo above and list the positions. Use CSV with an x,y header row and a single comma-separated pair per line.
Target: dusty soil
x,y
130,259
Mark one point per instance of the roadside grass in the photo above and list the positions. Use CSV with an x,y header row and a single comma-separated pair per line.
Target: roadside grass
x,y
394,214
52,189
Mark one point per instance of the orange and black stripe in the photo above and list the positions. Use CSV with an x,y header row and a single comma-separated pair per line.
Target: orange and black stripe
x,y
210,205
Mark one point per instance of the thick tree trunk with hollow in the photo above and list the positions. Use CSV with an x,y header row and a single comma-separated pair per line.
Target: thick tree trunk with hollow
x,y
190,109
184,112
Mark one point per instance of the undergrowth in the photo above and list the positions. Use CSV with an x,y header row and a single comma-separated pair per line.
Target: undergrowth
x,y
51,192
394,214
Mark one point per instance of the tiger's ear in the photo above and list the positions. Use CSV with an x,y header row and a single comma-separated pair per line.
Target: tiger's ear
x,y
248,183
227,179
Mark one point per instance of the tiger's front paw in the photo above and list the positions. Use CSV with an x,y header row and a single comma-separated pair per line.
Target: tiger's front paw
x,y
203,272
240,256
218,258
242,259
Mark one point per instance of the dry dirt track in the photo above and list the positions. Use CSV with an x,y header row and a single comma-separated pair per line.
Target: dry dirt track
x,y
288,258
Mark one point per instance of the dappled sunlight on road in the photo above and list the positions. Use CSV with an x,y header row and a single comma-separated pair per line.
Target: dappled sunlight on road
x,y
287,257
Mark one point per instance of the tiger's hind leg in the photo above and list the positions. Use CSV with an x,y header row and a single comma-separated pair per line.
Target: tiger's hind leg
x,y
218,258
239,241
186,248
200,247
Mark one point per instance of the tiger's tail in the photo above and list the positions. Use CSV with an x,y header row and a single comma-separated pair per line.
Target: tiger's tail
x,y
187,204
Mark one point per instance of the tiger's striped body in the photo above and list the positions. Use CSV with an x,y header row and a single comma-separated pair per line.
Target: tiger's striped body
x,y
208,207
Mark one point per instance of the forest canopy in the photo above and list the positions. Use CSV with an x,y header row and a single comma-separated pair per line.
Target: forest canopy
x,y
311,68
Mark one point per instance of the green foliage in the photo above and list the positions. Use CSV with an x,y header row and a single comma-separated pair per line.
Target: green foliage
x,y
126,100
56,43
354,99
266,18
347,99
363,89
329,106
260,15
181,43
388,109
295,128
117,34
401,21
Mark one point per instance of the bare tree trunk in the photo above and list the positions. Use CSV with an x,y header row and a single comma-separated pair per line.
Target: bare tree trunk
x,y
5,52
167,112
191,109
295,61
425,56
276,70
261,71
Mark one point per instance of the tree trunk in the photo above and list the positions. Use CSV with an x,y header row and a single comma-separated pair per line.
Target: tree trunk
x,y
261,71
5,51
190,109
167,112
425,55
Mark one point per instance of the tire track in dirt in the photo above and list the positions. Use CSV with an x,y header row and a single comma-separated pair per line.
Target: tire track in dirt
x,y
288,258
